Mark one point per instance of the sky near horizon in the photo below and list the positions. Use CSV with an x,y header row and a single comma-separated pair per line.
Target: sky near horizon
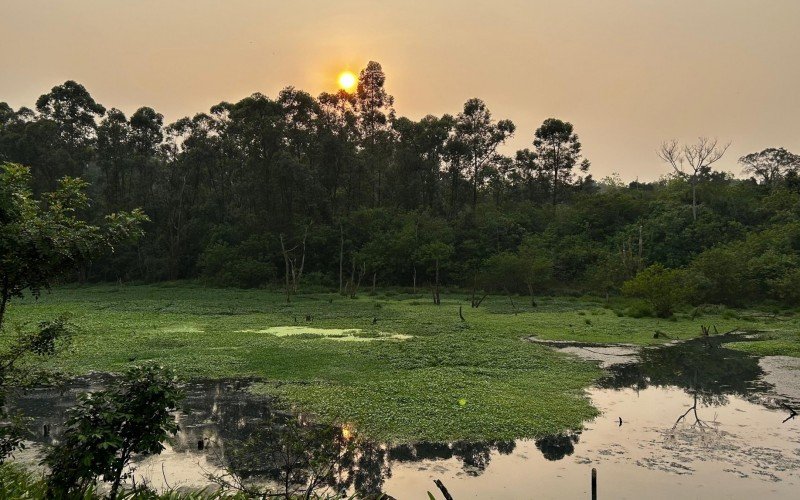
x,y
628,74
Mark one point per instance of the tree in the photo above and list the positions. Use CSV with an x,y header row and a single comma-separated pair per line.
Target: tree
x,y
558,150
699,156
41,241
475,140
417,160
68,123
502,272
770,165
532,176
432,255
108,428
375,115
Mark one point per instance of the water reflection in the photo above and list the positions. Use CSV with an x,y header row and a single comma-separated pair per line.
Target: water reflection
x,y
247,440
703,368
254,446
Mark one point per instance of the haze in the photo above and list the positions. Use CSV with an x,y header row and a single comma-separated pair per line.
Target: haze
x,y
627,74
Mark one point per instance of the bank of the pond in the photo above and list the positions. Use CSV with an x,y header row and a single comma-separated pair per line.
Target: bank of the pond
x,y
428,374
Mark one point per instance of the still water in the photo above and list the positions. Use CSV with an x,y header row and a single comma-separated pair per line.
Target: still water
x,y
690,420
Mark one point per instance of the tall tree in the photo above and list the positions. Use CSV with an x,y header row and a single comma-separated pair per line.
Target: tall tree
x,y
418,159
558,151
475,141
376,113
71,114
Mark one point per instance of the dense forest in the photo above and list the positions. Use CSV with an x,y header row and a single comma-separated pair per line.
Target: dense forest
x,y
338,191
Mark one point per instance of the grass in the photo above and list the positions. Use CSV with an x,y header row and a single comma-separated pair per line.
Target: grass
x,y
775,344
438,379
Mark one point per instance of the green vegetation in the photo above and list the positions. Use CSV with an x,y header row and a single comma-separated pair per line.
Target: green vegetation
x,y
107,429
774,344
40,241
338,192
392,389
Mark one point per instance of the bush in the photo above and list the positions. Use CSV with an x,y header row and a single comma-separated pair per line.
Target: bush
x,y
106,429
639,309
663,288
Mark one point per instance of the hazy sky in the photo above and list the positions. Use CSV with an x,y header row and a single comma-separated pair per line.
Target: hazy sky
x,y
628,74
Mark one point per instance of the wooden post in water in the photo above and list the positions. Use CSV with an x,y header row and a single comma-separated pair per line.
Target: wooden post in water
x,y
594,483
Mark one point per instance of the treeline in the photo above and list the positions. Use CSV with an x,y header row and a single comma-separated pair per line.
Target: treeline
x,y
338,191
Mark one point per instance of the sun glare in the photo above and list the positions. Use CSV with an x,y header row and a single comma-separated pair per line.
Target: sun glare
x,y
347,81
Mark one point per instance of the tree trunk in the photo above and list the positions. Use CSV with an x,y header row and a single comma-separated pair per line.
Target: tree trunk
x,y
4,299
286,264
436,299
118,475
341,255
475,187
639,264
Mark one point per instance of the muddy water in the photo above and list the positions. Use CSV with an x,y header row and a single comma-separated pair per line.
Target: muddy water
x,y
697,421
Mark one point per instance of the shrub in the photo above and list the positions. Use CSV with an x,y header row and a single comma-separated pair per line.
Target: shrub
x,y
639,309
106,429
663,288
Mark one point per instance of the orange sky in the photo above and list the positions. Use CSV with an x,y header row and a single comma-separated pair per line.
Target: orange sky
x,y
628,74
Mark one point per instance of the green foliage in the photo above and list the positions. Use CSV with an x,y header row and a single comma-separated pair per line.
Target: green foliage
x,y
245,265
664,289
41,240
397,200
108,428
639,309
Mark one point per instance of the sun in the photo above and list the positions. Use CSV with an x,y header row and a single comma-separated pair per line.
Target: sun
x,y
347,81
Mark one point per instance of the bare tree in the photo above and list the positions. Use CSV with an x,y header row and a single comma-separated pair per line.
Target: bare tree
x,y
697,157
294,270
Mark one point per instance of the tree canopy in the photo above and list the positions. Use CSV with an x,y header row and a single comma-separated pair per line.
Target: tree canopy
x,y
396,201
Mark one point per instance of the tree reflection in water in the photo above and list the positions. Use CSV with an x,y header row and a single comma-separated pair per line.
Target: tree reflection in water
x,y
262,448
558,446
299,457
703,368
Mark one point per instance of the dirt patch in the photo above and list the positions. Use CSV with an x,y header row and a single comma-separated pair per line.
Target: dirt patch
x,y
605,354
782,372
340,334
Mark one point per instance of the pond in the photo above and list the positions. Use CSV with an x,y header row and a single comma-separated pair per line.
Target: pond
x,y
692,419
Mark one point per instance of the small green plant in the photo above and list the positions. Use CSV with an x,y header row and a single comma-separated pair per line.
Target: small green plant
x,y
106,429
